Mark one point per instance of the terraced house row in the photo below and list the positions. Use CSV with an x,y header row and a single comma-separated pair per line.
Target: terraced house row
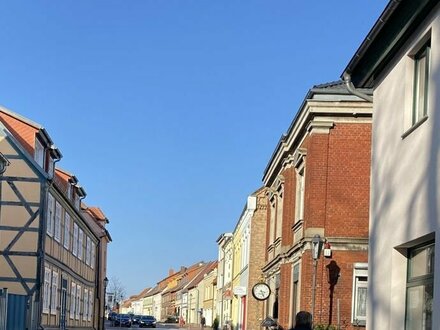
x,y
346,221
52,245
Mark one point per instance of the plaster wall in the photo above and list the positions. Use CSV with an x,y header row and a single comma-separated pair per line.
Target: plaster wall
x,y
405,181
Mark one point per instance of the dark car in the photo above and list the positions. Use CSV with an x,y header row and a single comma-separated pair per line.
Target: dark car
x,y
123,320
135,319
172,319
147,322
112,315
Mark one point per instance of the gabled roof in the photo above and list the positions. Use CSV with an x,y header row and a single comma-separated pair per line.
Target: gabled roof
x,y
201,274
393,28
24,129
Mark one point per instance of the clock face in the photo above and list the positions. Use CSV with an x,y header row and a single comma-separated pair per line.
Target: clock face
x,y
261,291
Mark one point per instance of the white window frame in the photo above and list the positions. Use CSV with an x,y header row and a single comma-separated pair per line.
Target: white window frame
x,y
80,244
93,256
39,153
360,272
57,230
50,214
300,193
72,300
67,230
46,292
75,239
54,294
78,302
86,305
91,299
88,250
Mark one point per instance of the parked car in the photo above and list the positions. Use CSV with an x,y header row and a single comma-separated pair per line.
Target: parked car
x,y
172,319
135,319
123,320
112,315
147,321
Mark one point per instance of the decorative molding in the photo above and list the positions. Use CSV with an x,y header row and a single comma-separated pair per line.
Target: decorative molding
x,y
320,127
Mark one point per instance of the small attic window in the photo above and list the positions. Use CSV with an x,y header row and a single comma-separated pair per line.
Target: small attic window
x,y
39,153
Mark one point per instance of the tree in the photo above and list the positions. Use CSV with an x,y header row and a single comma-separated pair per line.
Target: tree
x,y
117,288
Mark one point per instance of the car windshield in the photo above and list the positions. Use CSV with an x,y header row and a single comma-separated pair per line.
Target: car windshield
x,y
148,318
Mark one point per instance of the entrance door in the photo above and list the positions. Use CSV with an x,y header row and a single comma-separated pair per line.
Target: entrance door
x,y
63,303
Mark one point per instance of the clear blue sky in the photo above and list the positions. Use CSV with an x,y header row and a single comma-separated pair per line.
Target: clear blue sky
x,y
167,111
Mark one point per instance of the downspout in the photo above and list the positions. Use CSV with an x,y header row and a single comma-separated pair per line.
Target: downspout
x,y
353,90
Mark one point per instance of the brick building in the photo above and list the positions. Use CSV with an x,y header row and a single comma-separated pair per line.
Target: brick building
x,y
318,186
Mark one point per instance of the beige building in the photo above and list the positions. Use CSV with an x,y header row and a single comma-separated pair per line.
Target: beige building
x,y
48,249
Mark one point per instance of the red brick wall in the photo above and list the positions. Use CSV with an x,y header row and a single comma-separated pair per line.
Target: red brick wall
x,y
288,206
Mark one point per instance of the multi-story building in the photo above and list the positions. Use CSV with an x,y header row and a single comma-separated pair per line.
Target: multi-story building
x,y
400,60
318,196
224,278
209,286
248,241
48,248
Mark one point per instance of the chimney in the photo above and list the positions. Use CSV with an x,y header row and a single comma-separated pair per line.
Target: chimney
x,y
170,272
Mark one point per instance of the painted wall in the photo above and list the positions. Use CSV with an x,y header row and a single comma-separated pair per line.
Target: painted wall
x,y
405,197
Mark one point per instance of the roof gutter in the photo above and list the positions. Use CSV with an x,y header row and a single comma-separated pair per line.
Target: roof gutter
x,y
353,90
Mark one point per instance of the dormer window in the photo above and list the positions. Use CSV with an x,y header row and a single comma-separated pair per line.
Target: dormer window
x,y
69,191
39,153
76,202
50,167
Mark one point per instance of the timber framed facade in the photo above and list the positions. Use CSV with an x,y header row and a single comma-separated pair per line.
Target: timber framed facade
x,y
48,249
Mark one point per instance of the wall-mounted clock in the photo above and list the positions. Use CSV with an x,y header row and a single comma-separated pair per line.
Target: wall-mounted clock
x,y
261,291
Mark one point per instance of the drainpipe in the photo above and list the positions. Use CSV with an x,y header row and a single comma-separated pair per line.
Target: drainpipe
x,y
353,90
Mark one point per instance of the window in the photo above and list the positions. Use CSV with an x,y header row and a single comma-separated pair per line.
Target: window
x,y
420,288
75,239
78,301
359,298
54,296
50,167
421,83
46,293
86,305
93,256
77,201
57,234
50,214
88,250
300,187
67,230
80,244
39,153
72,300
90,305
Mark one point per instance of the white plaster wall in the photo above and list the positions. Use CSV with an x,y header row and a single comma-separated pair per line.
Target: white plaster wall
x,y
405,181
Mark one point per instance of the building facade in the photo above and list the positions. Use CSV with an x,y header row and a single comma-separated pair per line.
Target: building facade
x,y
48,258
318,196
400,60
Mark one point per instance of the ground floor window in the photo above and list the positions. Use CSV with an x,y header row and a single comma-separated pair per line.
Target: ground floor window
x,y
359,298
420,288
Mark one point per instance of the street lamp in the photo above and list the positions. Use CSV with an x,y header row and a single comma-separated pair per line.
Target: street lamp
x,y
316,249
105,282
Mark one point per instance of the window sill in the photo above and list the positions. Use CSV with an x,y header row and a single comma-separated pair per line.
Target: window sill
x,y
414,127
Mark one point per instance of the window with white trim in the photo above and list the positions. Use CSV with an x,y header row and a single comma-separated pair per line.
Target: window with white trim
x,y
80,244
300,193
91,298
93,256
88,250
57,231
420,288
67,230
39,153
78,301
54,294
46,292
72,300
86,305
75,239
359,298
50,214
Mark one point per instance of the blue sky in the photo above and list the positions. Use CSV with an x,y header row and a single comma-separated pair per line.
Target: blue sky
x,y
168,111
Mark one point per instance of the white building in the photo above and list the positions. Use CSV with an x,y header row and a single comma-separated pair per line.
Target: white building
x,y
400,60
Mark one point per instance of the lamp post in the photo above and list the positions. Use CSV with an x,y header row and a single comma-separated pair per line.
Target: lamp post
x,y
316,246
105,282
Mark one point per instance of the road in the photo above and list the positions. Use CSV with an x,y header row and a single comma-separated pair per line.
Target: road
x,y
164,326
